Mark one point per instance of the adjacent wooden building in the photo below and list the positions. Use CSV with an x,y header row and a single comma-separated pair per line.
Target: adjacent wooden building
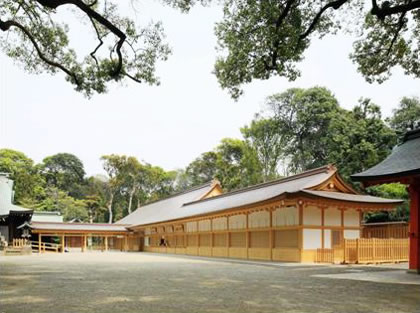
x,y
289,219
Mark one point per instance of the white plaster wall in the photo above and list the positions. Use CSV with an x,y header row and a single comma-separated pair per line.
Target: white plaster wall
x,y
327,238
351,218
259,219
351,234
237,221
146,241
312,239
204,225
191,227
311,216
287,216
220,223
332,217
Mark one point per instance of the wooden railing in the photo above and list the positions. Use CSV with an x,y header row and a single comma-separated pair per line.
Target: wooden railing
x,y
46,246
366,250
374,250
20,243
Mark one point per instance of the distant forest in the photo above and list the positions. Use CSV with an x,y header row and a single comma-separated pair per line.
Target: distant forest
x,y
296,130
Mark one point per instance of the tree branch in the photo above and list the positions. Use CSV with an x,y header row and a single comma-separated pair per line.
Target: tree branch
x,y
54,4
5,26
335,5
386,10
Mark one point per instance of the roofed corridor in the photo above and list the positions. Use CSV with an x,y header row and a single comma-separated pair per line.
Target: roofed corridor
x,y
144,282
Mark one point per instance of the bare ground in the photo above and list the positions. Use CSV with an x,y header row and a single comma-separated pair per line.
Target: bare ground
x,y
142,282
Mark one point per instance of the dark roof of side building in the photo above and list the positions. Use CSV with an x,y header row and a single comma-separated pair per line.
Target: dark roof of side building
x,y
403,161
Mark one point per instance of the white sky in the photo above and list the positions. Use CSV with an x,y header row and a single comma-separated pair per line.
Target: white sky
x,y
173,123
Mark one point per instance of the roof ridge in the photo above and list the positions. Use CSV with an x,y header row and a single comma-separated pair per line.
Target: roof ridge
x,y
179,193
325,168
68,223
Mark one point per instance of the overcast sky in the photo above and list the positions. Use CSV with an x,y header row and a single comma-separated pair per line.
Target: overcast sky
x,y
173,123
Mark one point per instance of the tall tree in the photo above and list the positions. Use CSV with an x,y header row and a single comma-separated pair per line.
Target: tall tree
x,y
237,164
359,139
29,185
303,117
32,34
265,136
406,116
259,39
203,169
64,171
112,165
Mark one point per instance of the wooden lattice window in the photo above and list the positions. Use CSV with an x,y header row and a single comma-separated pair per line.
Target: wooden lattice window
x,y
205,240
286,238
220,240
192,240
238,239
259,239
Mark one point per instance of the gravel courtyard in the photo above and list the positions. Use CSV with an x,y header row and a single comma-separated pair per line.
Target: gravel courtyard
x,y
142,282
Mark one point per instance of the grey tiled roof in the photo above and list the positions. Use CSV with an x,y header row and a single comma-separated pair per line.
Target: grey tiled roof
x,y
351,197
167,211
248,196
404,160
79,227
165,208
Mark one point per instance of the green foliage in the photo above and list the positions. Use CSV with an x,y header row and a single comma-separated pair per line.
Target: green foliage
x,y
304,117
391,191
203,169
406,116
58,200
359,139
28,183
32,35
64,171
267,141
260,39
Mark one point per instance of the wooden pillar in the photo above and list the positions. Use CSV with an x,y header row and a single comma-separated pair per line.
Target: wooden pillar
x,y
39,242
126,243
414,263
323,227
106,243
271,234
63,243
247,236
84,243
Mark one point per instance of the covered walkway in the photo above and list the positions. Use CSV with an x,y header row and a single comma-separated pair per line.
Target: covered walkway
x,y
84,237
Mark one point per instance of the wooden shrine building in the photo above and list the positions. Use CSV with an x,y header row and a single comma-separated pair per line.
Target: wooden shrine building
x,y
284,220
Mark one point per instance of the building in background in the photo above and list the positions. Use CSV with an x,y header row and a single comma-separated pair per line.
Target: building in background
x,y
11,216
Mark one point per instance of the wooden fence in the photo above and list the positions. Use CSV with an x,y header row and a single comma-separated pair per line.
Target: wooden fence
x,y
45,246
20,243
363,250
374,250
391,230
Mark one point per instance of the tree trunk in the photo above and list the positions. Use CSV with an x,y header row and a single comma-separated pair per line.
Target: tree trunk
x,y
130,201
111,200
